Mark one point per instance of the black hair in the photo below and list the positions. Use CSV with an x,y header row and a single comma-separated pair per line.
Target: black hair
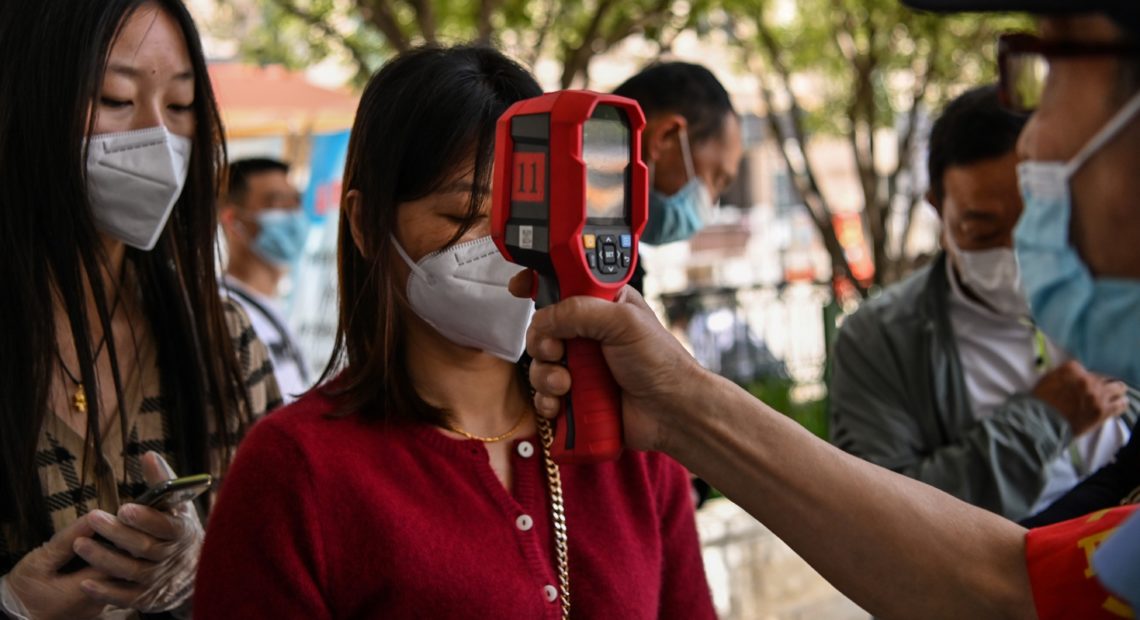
x,y
55,52
241,170
973,128
422,119
681,88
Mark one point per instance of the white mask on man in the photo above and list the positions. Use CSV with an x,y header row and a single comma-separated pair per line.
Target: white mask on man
x,y
462,292
993,276
133,180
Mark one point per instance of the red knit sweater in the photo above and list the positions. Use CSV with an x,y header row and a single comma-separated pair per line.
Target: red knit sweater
x,y
323,517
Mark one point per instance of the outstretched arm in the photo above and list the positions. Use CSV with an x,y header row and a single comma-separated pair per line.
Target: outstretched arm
x,y
897,547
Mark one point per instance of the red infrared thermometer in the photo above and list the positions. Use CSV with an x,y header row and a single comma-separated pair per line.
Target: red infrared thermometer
x,y
570,201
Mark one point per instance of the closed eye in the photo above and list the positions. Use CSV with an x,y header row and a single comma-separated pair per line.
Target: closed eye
x,y
114,103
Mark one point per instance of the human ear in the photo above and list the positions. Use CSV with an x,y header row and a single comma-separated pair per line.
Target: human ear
x,y
660,133
354,211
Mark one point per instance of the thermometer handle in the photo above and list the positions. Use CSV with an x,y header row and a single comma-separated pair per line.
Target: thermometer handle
x,y
589,429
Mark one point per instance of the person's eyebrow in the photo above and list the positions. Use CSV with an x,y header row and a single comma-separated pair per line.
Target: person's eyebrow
x,y
134,73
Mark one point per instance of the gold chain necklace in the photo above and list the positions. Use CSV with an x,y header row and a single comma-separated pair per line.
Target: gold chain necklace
x,y
506,435
558,514
79,399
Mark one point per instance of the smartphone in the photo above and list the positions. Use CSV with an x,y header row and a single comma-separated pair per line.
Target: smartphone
x,y
166,495
163,496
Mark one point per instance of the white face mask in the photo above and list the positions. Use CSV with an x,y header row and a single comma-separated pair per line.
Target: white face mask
x,y
133,180
462,292
993,276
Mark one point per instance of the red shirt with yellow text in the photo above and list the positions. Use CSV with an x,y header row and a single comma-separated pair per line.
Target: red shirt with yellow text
x,y
1059,559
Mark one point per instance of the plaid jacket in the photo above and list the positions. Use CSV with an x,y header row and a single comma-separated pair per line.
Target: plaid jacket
x,y
114,474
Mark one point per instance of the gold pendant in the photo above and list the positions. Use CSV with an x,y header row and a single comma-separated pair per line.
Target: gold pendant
x,y
79,401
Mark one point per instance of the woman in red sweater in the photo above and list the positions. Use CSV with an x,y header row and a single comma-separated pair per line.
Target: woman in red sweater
x,y
415,483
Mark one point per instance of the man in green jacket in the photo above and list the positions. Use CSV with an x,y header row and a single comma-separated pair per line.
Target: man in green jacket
x,y
944,377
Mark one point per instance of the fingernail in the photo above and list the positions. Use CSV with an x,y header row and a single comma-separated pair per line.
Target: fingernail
x,y
99,516
90,587
550,404
130,513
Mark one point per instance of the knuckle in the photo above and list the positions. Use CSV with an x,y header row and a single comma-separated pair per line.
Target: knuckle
x,y
150,548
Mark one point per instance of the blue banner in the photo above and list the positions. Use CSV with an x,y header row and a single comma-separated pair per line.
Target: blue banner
x,y
326,166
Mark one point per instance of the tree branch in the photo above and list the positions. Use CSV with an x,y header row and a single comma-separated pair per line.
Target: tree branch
x,y
554,11
906,159
425,18
627,26
595,41
485,26
355,50
379,13
918,95
577,58
803,179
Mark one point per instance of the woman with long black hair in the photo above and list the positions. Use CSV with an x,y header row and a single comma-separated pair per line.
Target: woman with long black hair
x,y
417,483
118,354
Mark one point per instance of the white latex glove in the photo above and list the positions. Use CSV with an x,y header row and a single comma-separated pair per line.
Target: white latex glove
x,y
153,567
35,588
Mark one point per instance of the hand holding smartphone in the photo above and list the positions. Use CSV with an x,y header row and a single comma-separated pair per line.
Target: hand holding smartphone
x,y
167,494
164,497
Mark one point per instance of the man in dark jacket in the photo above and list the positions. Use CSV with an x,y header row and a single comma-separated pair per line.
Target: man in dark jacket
x,y
944,377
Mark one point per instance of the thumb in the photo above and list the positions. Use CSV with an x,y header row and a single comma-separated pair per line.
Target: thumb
x,y
608,322
522,284
576,317
156,469
629,295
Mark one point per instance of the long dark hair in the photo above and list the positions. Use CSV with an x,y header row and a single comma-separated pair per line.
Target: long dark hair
x,y
421,118
55,53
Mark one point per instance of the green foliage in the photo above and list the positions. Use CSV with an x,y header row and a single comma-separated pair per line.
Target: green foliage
x,y
831,41
302,32
777,394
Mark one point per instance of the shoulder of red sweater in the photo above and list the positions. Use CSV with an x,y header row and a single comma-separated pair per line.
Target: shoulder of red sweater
x,y
315,414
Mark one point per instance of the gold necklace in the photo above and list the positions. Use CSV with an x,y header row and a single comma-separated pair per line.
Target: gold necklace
x,y
557,513
79,398
506,435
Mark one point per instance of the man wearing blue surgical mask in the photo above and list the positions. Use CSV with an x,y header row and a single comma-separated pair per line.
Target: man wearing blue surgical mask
x,y
692,144
965,392
265,231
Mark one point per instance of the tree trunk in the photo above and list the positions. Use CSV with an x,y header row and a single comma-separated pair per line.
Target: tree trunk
x,y
379,13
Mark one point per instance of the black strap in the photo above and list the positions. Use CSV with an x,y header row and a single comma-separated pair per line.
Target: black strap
x,y
290,348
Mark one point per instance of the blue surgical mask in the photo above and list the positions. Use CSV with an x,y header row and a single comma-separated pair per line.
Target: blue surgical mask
x,y
282,237
680,216
1097,320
